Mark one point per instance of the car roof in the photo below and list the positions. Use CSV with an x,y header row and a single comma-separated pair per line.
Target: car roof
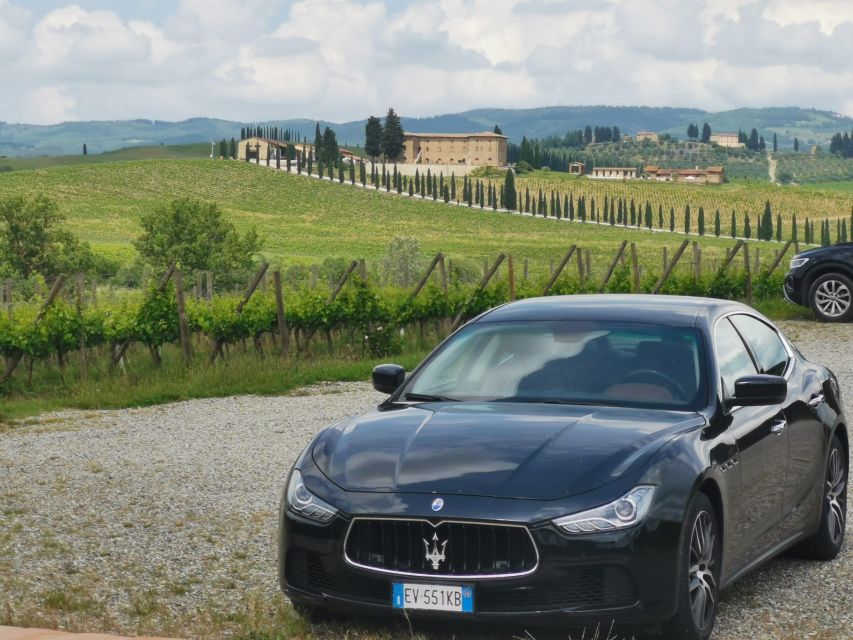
x,y
652,309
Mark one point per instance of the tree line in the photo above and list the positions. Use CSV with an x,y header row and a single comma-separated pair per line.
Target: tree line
x,y
384,139
842,144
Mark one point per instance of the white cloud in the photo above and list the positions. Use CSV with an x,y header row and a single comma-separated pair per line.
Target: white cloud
x,y
343,59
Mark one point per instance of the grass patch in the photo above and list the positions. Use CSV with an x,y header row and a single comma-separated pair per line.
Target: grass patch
x,y
144,385
68,599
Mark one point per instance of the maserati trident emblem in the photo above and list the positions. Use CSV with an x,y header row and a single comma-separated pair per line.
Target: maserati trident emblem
x,y
433,555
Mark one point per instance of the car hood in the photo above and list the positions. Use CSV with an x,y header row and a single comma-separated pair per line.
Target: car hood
x,y
503,450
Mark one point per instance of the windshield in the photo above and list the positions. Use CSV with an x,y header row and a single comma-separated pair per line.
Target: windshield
x,y
572,362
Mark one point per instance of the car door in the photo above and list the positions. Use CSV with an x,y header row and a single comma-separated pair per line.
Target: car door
x,y
805,431
760,436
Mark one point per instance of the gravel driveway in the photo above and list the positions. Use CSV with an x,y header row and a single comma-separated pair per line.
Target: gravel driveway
x,y
162,520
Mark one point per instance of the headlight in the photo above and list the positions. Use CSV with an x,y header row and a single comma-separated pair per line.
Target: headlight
x,y
305,503
796,262
619,514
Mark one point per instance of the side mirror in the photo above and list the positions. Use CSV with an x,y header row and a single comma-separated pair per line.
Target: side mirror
x,y
387,378
759,390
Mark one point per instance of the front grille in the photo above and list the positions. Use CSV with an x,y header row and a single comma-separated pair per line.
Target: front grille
x,y
468,549
581,589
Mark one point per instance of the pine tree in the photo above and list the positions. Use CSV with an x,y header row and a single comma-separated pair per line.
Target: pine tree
x,y
373,138
706,133
717,223
700,221
510,195
392,136
765,227
498,130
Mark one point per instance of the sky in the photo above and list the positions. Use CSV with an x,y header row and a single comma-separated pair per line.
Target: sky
x,y
339,60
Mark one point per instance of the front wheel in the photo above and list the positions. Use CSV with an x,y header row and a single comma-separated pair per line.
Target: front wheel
x,y
699,574
827,542
831,297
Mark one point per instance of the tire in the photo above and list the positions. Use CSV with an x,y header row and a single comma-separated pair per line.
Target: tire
x,y
700,555
827,542
831,297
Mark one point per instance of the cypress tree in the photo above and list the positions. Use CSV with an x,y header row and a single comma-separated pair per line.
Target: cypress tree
x,y
527,199
429,182
554,205
318,142
288,164
717,224
434,189
352,173
794,228
779,227
765,227
470,198
299,164
510,195
612,213
310,167
687,225
387,181
747,228
411,189
341,172
672,218
453,187
621,213
648,215
633,213
701,221
232,152
843,231
362,174
223,149
446,194
320,169
660,216
734,225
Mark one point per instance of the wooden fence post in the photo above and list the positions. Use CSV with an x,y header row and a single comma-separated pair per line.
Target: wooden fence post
x,y
79,288
13,361
443,269
485,281
748,273
217,344
511,276
560,267
669,267
161,286
422,282
697,262
581,275
284,336
635,269
612,266
779,256
730,255
183,324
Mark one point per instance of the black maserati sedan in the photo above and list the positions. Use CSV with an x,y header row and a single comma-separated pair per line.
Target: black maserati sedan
x,y
575,460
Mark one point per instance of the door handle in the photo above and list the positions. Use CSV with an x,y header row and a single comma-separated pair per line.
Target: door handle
x,y
816,401
779,426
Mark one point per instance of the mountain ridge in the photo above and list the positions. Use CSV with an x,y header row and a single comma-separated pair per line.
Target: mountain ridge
x,y
811,126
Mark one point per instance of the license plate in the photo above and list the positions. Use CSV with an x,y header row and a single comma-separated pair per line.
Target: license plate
x,y
433,597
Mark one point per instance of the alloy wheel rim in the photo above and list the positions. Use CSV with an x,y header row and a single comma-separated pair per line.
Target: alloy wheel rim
x,y
702,583
833,298
835,483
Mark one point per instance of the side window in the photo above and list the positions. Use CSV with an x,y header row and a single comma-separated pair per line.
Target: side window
x,y
765,344
733,358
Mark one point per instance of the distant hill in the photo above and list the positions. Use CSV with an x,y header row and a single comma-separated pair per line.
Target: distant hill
x,y
811,126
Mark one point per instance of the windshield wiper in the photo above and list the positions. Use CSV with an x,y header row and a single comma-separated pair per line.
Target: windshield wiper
x,y
425,397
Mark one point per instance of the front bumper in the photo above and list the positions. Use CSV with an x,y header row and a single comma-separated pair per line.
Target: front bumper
x,y
793,289
626,578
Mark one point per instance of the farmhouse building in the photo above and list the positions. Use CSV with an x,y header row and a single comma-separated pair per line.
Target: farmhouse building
x,y
577,168
651,136
711,175
614,173
729,140
485,148
259,149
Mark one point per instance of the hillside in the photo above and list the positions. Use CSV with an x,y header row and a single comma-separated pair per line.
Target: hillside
x,y
809,125
306,220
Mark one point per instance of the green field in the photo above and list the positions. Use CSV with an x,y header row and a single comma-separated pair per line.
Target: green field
x,y
160,152
305,220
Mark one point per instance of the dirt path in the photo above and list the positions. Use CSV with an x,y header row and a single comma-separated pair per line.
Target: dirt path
x,y
771,167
